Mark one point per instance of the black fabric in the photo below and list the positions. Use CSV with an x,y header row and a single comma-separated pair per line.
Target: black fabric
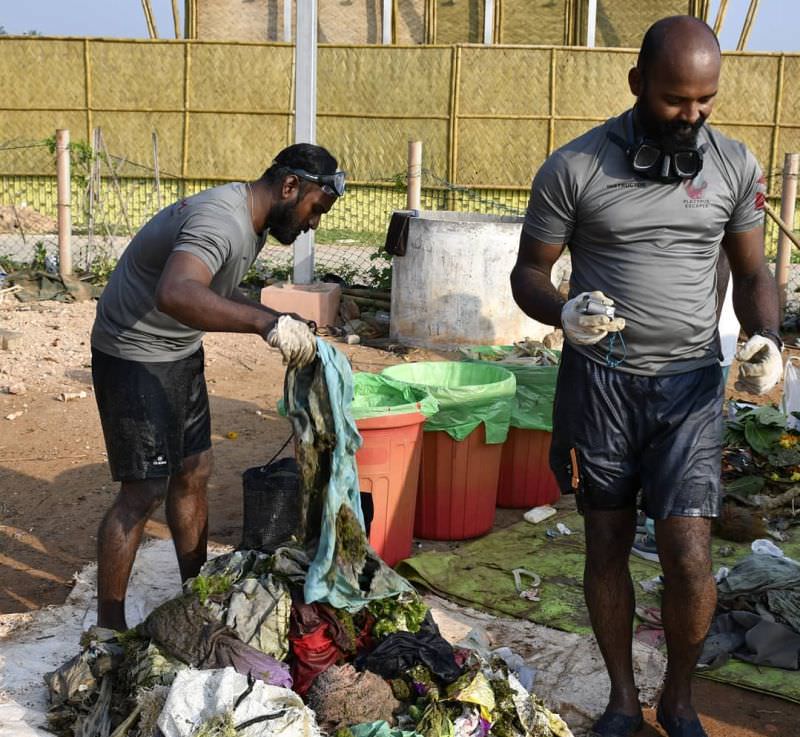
x,y
752,638
397,234
400,651
153,414
661,434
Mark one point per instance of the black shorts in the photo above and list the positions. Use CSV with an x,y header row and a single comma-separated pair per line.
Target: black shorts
x,y
658,434
153,414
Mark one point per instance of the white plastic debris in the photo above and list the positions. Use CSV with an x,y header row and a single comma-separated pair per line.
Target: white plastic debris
x,y
539,514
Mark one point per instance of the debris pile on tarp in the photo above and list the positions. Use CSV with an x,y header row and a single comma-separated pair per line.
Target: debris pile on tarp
x,y
321,620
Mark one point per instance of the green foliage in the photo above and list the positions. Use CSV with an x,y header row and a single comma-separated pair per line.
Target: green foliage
x,y
760,427
39,256
207,587
403,613
745,485
101,267
381,272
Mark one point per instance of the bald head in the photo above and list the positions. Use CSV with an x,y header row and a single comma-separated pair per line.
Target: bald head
x,y
678,41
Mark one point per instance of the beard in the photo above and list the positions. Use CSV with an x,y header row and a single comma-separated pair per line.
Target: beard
x,y
670,135
284,225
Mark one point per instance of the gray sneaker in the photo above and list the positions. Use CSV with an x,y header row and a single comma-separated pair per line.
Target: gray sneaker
x,y
644,546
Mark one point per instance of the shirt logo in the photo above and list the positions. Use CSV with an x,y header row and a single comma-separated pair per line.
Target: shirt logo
x,y
695,189
761,193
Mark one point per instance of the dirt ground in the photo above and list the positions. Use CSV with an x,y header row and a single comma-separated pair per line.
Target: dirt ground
x,y
55,485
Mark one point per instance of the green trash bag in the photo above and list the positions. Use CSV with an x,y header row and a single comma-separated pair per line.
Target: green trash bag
x,y
378,396
536,386
468,394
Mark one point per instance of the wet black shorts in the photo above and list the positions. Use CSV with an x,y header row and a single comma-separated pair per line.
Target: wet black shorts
x,y
153,414
658,434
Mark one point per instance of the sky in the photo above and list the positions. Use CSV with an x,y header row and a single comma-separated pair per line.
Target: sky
x,y
775,29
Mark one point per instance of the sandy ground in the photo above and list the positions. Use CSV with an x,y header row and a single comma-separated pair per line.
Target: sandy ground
x,y
55,485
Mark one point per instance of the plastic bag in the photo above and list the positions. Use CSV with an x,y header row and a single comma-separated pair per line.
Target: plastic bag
x,y
468,394
790,401
377,396
536,386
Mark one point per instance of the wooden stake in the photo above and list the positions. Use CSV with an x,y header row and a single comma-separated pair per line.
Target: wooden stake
x,y
64,202
791,168
414,177
787,231
752,11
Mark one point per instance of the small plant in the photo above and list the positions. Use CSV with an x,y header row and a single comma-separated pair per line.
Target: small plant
x,y
39,262
101,267
380,273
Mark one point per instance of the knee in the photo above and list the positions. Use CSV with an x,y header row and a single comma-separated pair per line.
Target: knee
x,y
196,470
685,566
140,498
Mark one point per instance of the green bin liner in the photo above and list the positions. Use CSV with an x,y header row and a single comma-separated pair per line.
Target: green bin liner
x,y
468,394
378,396
536,387
375,395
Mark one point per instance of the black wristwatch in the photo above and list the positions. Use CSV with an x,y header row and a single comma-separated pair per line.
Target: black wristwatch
x,y
772,335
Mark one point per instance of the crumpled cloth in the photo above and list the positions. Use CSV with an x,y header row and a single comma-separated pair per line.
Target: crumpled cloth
x,y
764,583
751,638
345,572
401,651
185,629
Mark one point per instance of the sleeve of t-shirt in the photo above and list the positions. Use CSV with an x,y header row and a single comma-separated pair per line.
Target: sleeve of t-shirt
x,y
206,237
748,210
550,217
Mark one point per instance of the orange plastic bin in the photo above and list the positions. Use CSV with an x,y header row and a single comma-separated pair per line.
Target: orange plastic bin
x,y
462,446
389,417
525,477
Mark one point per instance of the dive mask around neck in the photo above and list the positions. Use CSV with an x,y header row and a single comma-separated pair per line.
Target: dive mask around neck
x,y
650,159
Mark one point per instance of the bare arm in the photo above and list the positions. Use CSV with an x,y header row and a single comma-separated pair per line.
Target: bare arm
x,y
184,293
755,295
530,280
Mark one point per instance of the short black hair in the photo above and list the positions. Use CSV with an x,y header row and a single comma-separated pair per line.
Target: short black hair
x,y
655,38
314,159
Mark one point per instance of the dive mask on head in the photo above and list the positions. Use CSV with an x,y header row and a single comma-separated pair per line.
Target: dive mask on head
x,y
650,159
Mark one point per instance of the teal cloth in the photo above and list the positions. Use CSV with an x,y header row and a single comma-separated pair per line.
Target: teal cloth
x,y
326,581
380,729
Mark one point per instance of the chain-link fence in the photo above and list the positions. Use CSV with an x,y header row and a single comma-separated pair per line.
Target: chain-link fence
x,y
112,197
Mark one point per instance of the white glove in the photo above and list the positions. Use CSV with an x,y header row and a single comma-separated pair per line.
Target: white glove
x,y
760,365
295,341
584,329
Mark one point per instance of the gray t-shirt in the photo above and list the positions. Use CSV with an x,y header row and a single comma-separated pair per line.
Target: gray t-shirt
x,y
651,247
213,225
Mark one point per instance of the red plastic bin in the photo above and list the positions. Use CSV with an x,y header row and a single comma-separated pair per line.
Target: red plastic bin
x,y
458,486
525,477
388,468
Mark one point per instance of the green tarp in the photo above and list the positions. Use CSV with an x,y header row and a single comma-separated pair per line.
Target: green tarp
x,y
479,575
468,394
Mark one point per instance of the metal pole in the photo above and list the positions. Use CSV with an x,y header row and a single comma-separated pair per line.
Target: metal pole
x,y
791,168
287,21
488,22
63,203
591,24
305,120
414,176
386,22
